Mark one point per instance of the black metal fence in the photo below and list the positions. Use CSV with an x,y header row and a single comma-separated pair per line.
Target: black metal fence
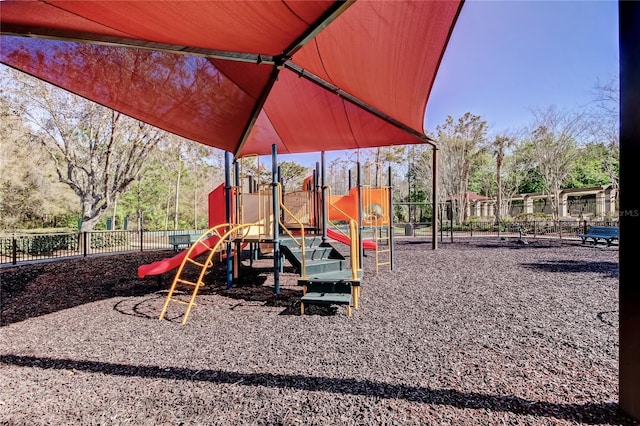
x,y
19,248
22,248
562,229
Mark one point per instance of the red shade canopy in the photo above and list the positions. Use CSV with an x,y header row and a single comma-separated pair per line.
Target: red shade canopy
x,y
243,75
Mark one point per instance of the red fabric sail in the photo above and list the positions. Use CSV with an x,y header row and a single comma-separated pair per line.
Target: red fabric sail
x,y
243,75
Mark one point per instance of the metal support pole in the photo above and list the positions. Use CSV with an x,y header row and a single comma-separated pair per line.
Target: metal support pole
x,y
360,227
236,254
276,221
313,188
228,201
629,291
391,222
325,213
434,191
316,182
14,250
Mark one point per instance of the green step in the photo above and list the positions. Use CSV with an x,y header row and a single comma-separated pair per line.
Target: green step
x,y
310,253
317,267
313,241
328,293
331,277
318,259
327,298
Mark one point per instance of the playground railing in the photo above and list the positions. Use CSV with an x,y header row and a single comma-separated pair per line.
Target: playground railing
x,y
17,248
300,243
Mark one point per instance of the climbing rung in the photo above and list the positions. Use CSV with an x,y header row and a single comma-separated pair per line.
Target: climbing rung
x,y
188,282
202,265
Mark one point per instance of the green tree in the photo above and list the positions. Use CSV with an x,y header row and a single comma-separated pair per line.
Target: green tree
x,y
292,174
592,166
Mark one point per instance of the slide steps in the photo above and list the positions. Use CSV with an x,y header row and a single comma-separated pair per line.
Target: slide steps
x,y
326,279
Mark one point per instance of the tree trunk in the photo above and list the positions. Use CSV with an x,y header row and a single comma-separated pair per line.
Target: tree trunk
x,y
176,203
166,212
195,204
499,195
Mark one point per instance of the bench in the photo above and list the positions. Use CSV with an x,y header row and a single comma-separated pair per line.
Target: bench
x,y
178,240
597,233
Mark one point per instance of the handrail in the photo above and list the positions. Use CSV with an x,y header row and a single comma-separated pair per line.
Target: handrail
x,y
355,263
302,244
222,239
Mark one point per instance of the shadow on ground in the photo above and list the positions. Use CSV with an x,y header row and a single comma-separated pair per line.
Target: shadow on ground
x,y
609,269
29,291
587,413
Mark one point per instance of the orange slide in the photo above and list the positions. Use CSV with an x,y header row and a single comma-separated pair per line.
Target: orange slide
x,y
338,236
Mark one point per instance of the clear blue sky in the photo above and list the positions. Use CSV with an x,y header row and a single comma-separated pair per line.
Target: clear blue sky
x,y
506,57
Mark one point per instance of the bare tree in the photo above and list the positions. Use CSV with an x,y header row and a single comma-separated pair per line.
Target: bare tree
x,y
96,151
462,143
554,148
604,125
338,175
377,161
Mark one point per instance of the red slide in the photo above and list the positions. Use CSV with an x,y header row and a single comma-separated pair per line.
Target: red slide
x,y
338,236
170,263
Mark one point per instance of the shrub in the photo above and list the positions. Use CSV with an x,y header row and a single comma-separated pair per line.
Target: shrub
x,y
101,240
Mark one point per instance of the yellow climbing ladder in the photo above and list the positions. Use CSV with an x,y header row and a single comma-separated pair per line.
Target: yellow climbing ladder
x,y
382,236
380,222
209,243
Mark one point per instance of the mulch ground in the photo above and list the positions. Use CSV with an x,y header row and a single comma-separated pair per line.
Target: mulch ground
x,y
475,333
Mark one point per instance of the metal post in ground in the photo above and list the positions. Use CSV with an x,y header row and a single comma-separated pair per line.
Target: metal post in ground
x,y
14,250
276,216
360,225
391,223
227,187
316,181
325,212
434,197
237,251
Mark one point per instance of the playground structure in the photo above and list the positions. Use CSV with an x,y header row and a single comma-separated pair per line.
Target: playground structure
x,y
264,220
